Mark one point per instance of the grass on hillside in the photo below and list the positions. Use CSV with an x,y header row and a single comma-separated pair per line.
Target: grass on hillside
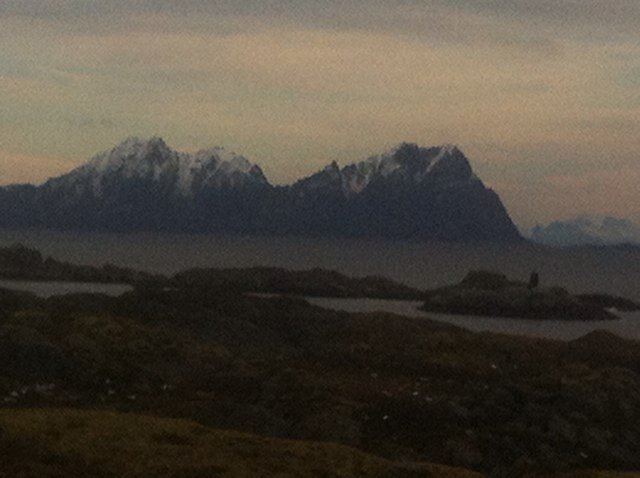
x,y
48,443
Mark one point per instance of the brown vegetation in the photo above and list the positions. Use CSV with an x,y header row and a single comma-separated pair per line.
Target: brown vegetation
x,y
403,389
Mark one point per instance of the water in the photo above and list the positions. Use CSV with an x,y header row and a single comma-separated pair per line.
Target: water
x,y
628,326
614,271
51,288
418,264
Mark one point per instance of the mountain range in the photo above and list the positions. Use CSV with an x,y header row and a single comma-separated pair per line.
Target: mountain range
x,y
588,230
409,192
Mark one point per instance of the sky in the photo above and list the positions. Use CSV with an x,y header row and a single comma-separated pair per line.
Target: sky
x,y
542,96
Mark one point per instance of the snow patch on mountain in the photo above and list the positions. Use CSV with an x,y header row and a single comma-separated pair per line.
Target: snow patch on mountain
x,y
358,176
153,161
216,167
410,162
445,151
407,192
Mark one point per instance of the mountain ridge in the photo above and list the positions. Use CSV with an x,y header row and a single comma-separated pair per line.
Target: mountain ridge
x,y
140,159
588,230
406,192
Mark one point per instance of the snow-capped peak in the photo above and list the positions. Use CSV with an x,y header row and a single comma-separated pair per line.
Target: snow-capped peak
x,y
134,155
135,143
216,167
331,167
220,154
448,148
241,164
408,160
445,150
152,160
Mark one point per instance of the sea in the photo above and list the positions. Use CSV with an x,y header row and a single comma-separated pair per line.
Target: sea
x,y
613,270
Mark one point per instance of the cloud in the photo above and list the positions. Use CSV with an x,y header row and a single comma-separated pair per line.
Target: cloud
x,y
529,89
616,15
522,25
616,12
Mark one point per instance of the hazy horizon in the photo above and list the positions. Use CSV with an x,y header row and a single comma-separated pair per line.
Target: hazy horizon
x,y
542,97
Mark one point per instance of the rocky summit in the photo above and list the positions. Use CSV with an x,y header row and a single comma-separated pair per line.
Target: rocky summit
x,y
409,192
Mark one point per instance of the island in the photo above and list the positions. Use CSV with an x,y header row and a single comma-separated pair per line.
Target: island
x,y
20,262
487,293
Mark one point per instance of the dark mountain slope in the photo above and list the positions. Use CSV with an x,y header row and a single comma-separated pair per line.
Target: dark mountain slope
x,y
409,192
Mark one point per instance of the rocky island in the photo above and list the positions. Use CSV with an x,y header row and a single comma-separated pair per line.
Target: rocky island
x,y
19,262
492,294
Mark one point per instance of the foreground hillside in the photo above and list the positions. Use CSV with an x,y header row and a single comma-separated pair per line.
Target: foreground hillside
x,y
56,443
403,389
50,443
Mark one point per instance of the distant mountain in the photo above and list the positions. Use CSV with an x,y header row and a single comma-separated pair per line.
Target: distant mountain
x,y
141,185
136,162
407,192
587,230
